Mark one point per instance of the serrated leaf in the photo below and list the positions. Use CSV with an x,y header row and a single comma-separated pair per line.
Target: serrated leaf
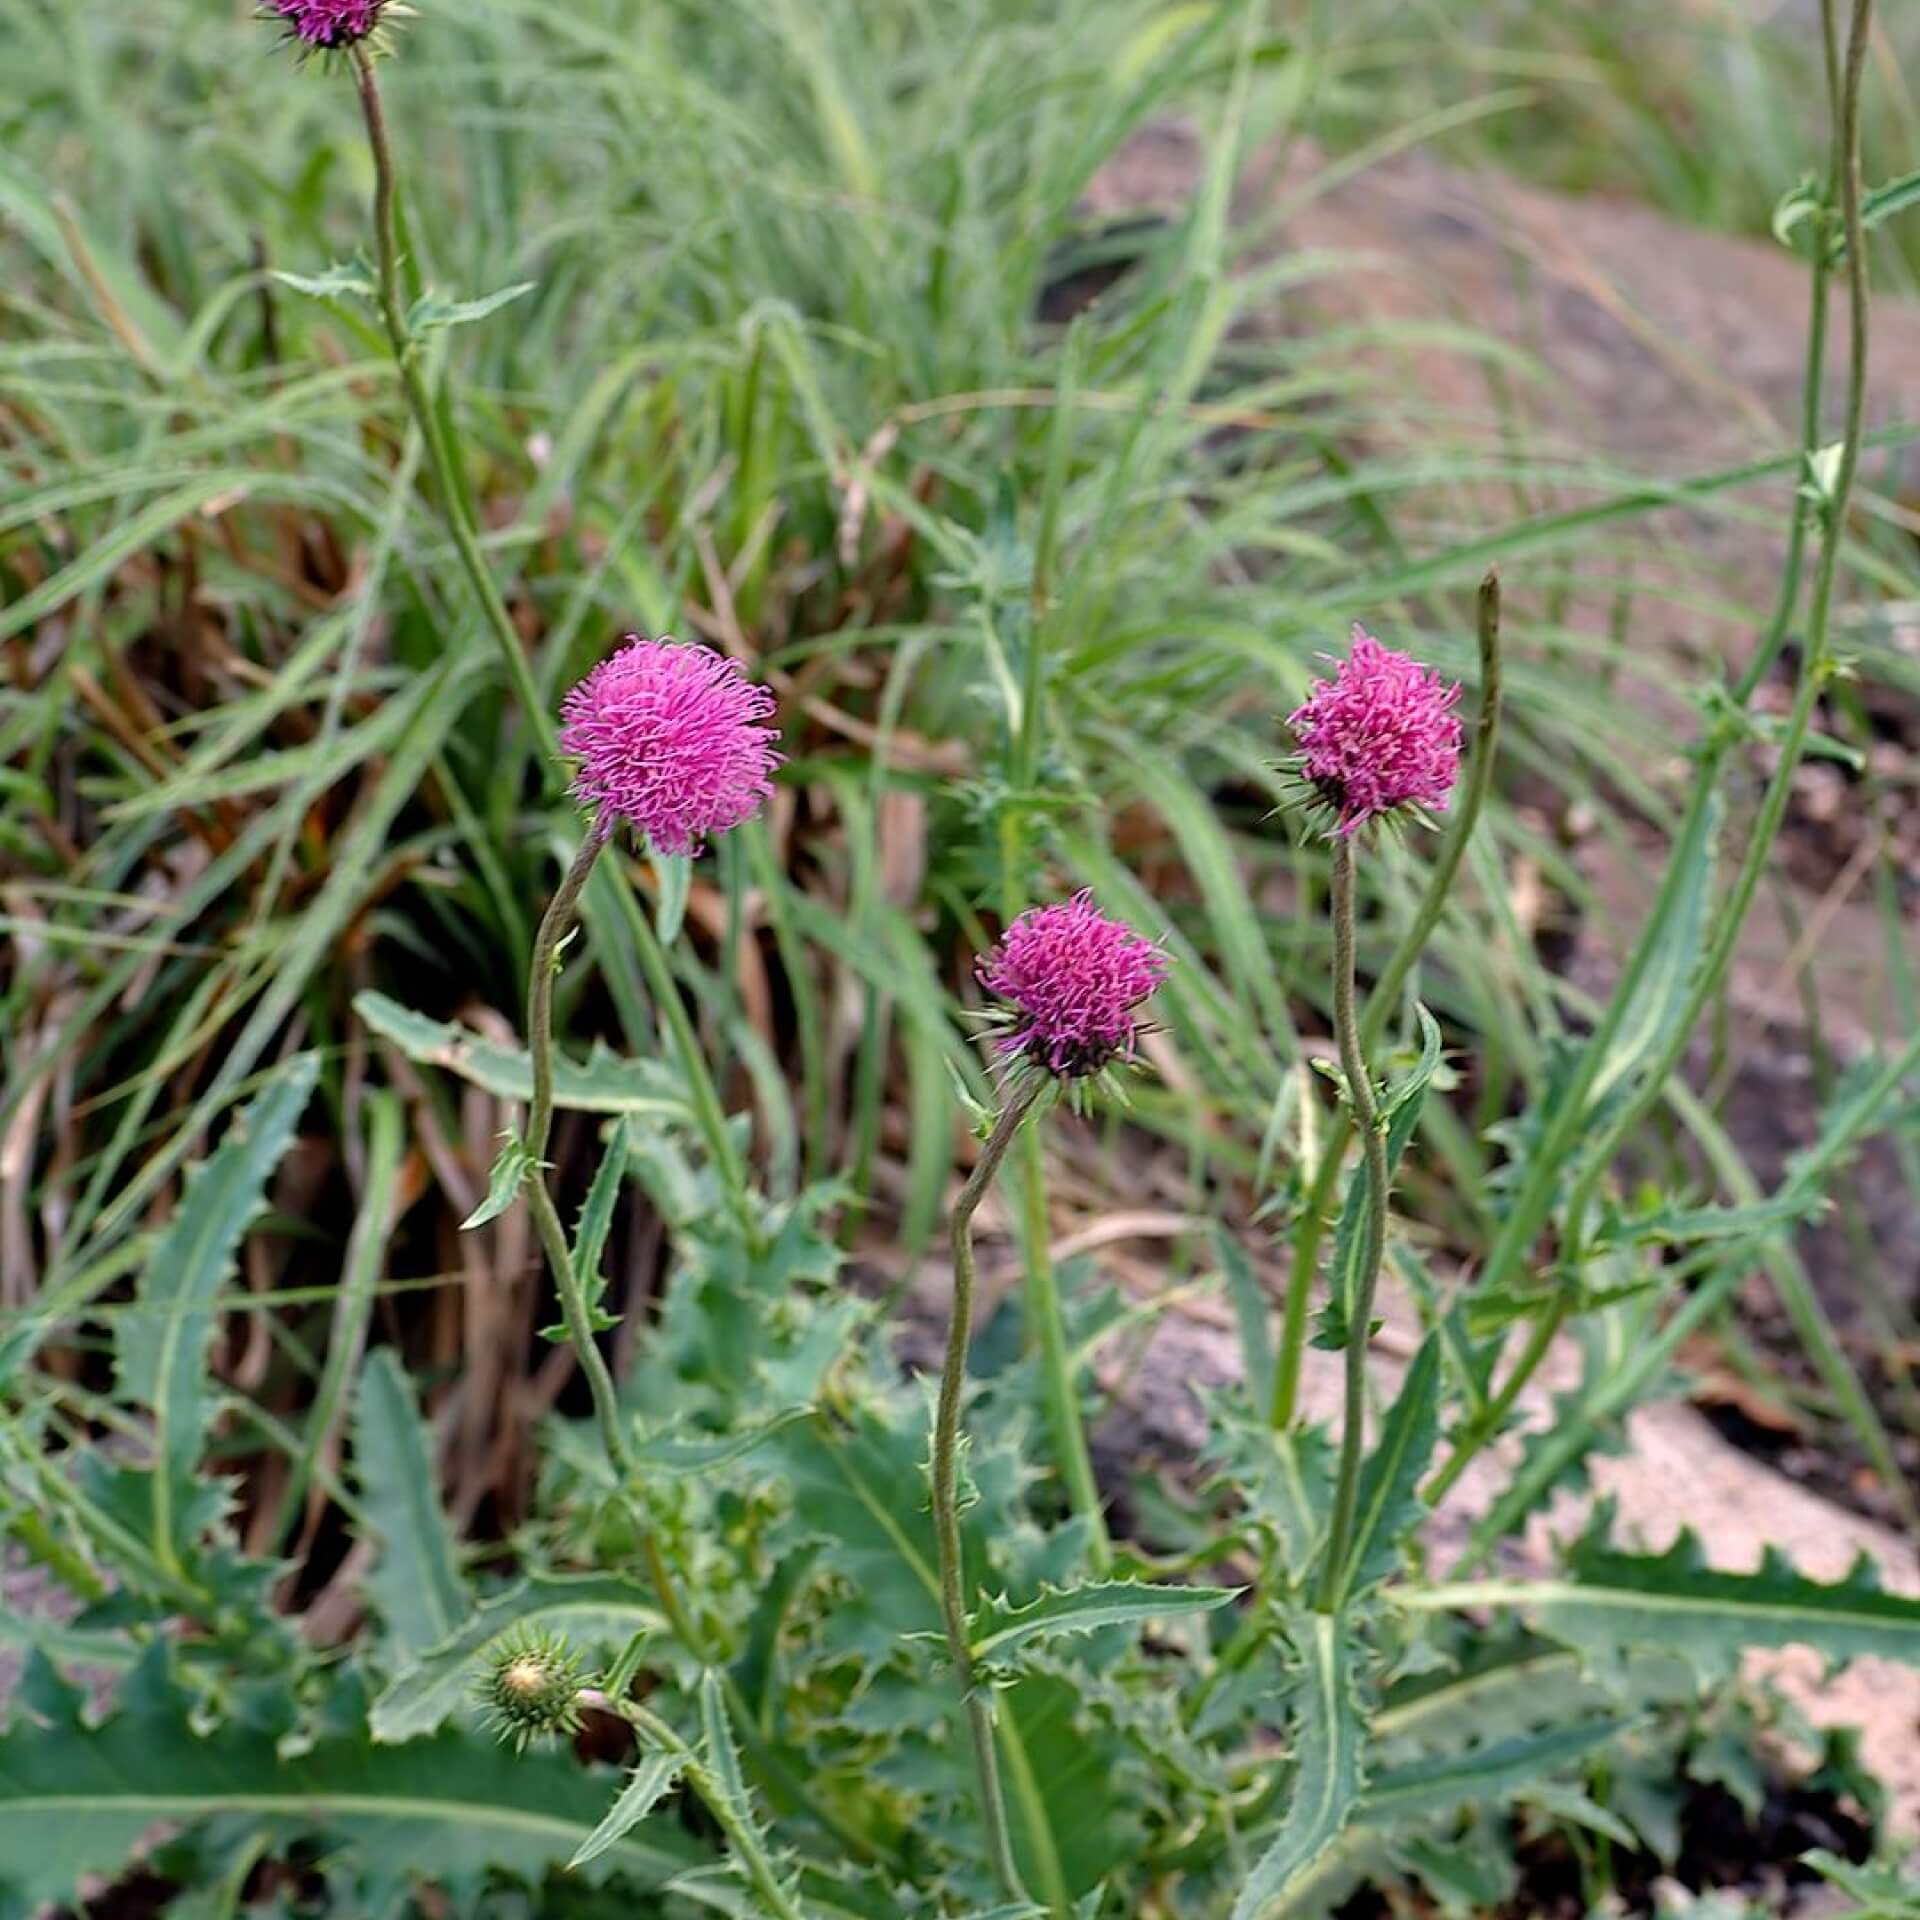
x,y
596,1215
606,1084
646,1785
415,1585
1327,1777
592,1607
77,1800
161,1351
1607,1603
511,1167
999,1626
434,310
1389,1505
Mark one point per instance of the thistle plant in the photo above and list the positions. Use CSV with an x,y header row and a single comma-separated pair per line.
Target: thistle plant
x,y
1070,982
1379,744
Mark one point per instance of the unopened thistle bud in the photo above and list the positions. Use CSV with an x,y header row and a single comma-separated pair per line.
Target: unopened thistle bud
x,y
530,1688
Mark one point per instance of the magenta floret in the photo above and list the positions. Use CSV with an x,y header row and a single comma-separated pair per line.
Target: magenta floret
x,y
1073,980
669,737
1380,735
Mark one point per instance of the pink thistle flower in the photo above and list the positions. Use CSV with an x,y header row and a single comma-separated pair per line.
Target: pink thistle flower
x,y
327,24
1380,735
668,736
1072,979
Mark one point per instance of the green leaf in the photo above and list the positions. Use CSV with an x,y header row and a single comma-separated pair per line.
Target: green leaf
x,y
415,1585
1661,998
337,283
1327,1776
596,1216
78,1800
667,1454
606,1084
675,872
1881,203
591,1607
1607,1603
999,1626
1490,1771
433,310
161,1350
1390,1504
1801,202
511,1166
646,1785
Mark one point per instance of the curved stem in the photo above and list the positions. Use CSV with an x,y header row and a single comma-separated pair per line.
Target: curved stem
x,y
1373,1232
406,355
946,1494
1311,1225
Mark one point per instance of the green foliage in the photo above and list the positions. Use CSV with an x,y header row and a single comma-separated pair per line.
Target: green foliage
x,y
75,1797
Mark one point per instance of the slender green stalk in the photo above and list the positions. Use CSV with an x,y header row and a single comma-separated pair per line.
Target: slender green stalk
x,y
946,1476
1373,1230
1816,665
1311,1225
713,1796
406,355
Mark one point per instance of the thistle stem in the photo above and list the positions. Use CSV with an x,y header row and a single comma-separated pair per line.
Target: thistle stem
x,y
946,1468
554,924
1311,1225
406,356
1373,1231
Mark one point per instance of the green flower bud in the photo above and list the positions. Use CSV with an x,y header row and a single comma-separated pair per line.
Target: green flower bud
x,y
530,1687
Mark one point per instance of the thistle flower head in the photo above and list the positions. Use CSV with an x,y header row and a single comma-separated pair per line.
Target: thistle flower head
x,y
1071,979
326,25
1380,735
529,1687
669,738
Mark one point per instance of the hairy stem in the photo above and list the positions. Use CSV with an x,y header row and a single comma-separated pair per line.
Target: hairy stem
x,y
946,1476
1311,1225
1373,1231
